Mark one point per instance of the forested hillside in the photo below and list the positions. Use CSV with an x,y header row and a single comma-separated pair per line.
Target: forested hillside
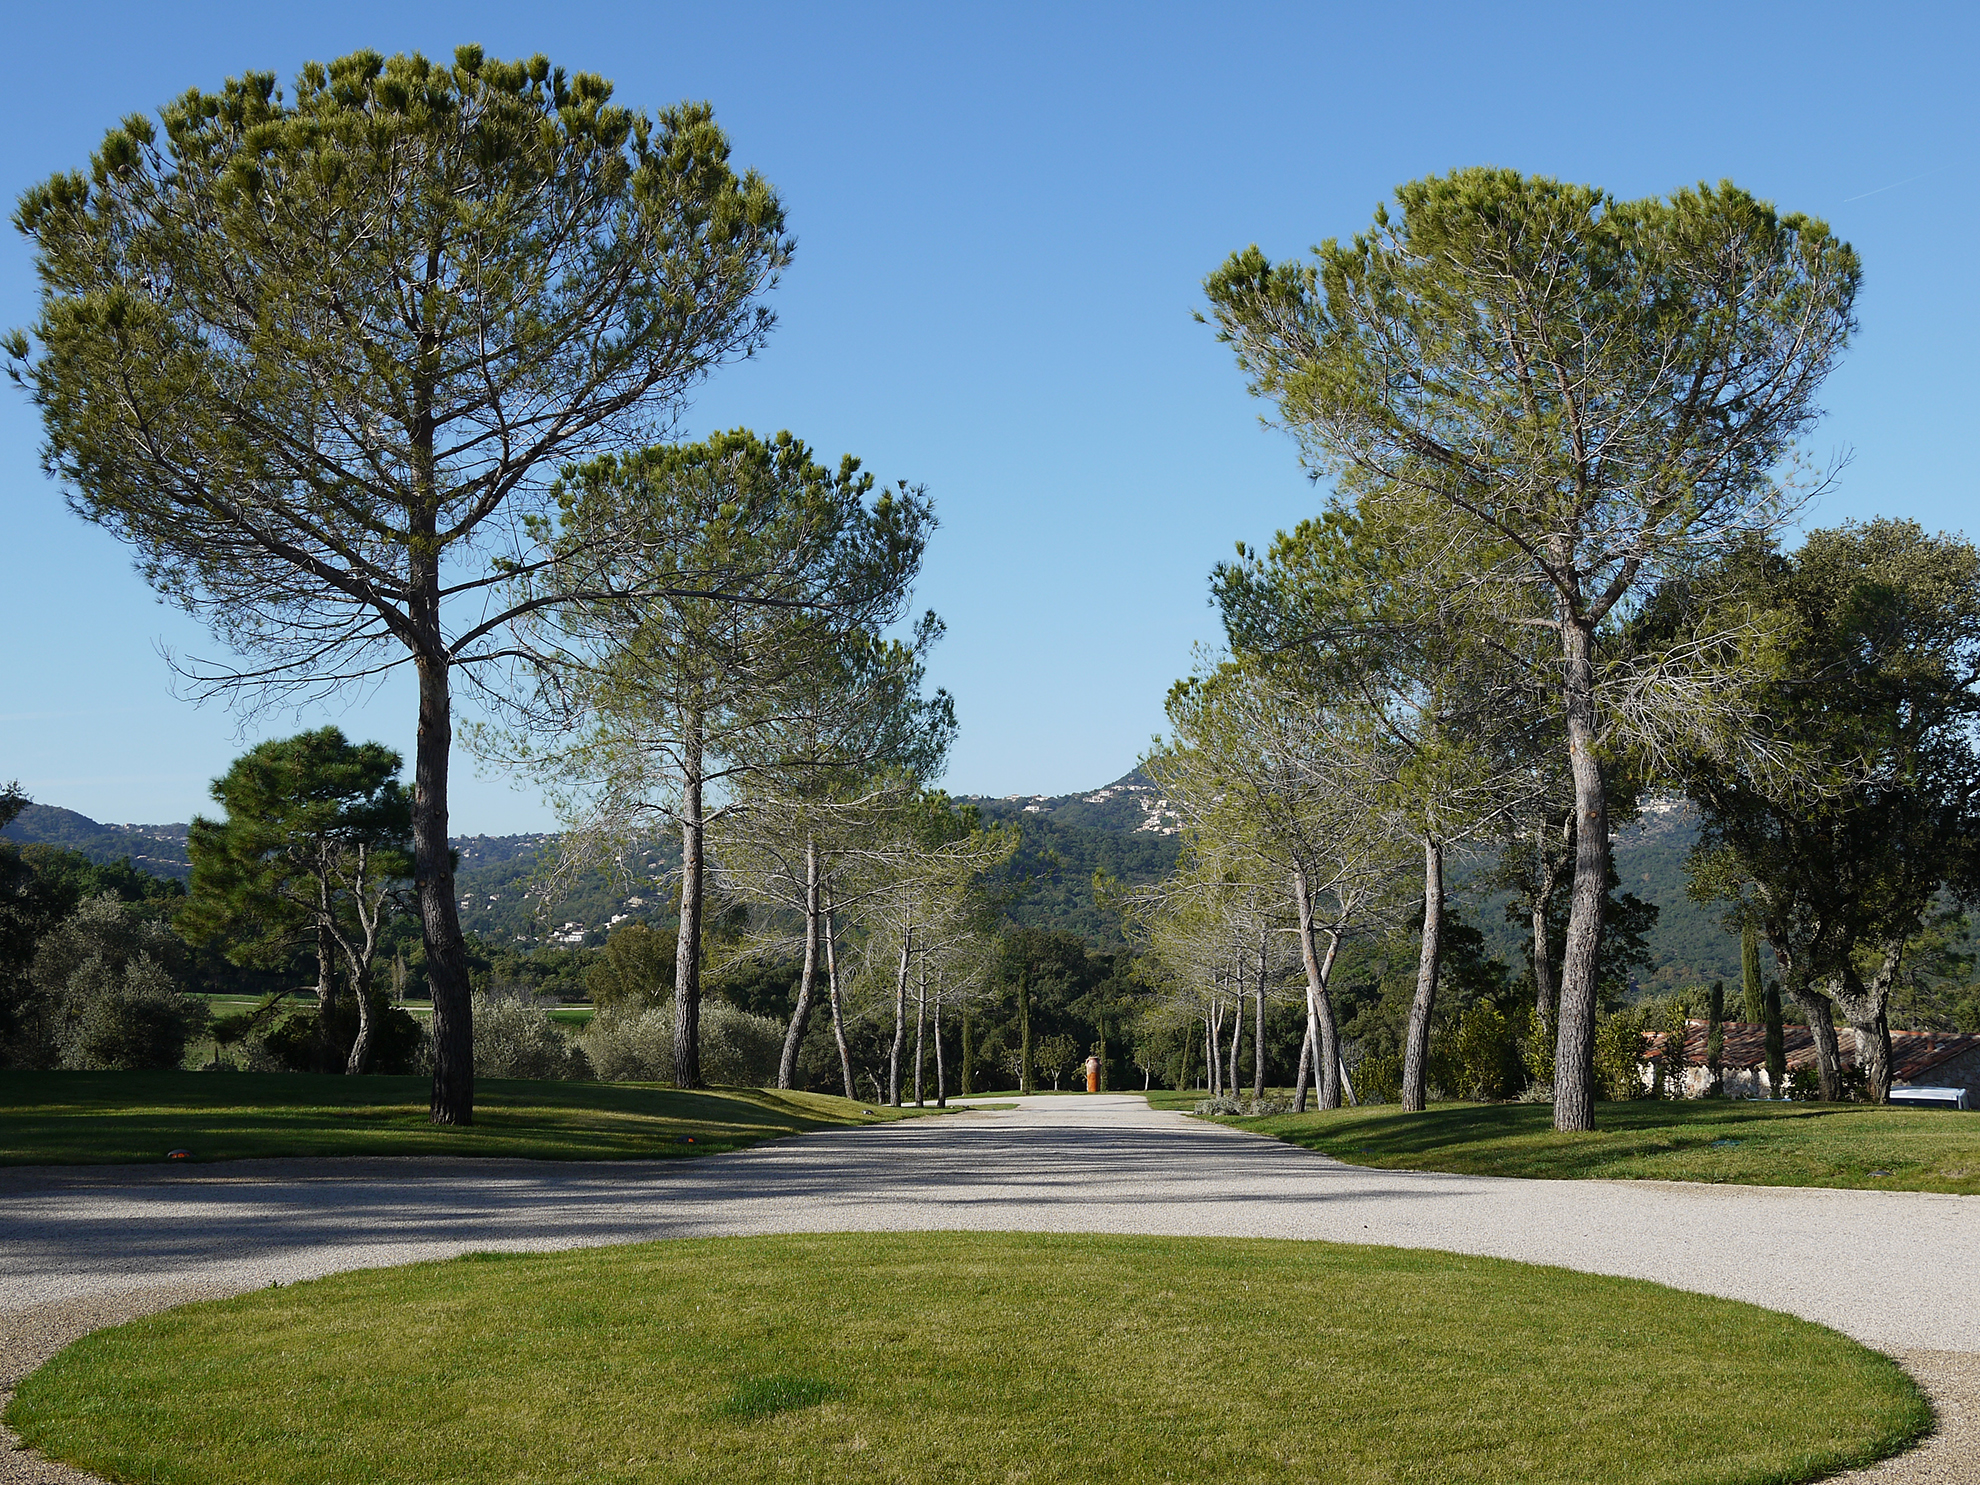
x,y
1125,830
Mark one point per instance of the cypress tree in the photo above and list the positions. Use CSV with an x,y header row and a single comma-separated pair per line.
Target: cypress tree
x,y
1749,970
1715,1039
1776,1042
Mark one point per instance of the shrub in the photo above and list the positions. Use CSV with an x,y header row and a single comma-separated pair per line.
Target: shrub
x,y
514,1037
109,993
636,1044
1619,1055
1378,1078
1478,1058
299,1042
1536,1053
1243,1108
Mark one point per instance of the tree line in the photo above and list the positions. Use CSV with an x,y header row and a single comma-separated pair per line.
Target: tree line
x,y
1563,433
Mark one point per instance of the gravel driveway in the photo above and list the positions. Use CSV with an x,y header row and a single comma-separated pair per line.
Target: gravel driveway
x,y
1898,1270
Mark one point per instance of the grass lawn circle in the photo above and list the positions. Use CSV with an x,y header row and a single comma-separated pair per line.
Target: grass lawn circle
x,y
968,1356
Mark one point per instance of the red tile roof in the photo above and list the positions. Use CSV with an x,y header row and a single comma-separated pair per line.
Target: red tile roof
x,y
1913,1053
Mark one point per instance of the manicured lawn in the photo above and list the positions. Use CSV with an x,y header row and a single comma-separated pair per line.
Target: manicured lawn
x,y
968,1357
1756,1144
69,1118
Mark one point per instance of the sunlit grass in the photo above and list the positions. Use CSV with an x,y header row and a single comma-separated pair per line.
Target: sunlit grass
x,y
947,1356
1757,1144
67,1118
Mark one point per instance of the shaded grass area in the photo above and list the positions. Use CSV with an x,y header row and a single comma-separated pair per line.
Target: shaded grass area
x,y
73,1118
969,1356
1755,1144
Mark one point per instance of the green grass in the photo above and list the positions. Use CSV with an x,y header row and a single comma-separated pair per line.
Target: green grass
x,y
1755,1144
968,1356
69,1118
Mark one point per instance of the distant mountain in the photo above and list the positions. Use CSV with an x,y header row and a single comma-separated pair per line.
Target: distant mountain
x,y
1125,829
159,849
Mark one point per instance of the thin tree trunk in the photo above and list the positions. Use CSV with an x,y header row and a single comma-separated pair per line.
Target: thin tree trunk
x,y
1547,881
433,879
1416,1048
832,990
968,1049
1258,1023
360,959
687,943
1213,1023
1574,1045
941,1068
1236,1028
326,968
920,1030
900,1018
1305,1067
808,976
1024,1033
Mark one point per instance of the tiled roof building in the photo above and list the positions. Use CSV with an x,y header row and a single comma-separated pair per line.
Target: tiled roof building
x,y
1939,1059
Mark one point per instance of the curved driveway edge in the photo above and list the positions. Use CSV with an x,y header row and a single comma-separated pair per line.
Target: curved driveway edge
x,y
1897,1270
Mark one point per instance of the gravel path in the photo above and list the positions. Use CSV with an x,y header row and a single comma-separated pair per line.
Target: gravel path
x,y
1898,1270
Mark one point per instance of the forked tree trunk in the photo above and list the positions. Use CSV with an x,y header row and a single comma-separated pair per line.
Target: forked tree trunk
x,y
1574,1044
360,956
832,990
433,878
807,976
687,943
1815,1008
1322,1033
1416,1046
1867,1008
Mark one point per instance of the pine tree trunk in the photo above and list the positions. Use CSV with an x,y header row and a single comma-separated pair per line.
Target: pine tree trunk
x,y
687,942
1416,1048
433,878
807,976
1574,1045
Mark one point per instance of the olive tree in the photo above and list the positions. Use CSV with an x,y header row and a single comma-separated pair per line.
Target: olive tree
x,y
315,356
1573,395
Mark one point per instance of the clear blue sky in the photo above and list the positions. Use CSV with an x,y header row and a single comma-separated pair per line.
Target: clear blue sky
x,y
1003,214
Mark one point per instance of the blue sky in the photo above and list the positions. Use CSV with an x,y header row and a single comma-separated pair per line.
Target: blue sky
x,y
1003,215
